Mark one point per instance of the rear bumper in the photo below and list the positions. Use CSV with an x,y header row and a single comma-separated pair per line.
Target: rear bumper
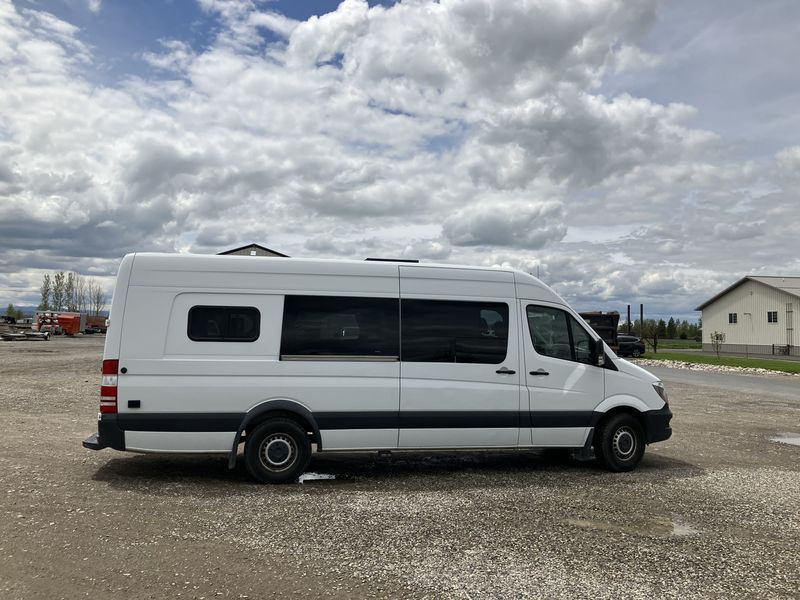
x,y
656,424
108,435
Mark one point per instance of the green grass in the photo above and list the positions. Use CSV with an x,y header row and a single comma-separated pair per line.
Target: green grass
x,y
786,366
680,344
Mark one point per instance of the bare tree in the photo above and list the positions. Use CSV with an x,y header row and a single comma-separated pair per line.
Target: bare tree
x,y
58,291
80,294
69,292
46,289
717,339
97,296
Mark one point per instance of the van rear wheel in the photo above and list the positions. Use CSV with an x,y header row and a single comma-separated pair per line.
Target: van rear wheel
x,y
619,444
277,451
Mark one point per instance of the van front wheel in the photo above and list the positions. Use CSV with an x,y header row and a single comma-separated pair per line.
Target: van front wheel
x,y
277,451
619,444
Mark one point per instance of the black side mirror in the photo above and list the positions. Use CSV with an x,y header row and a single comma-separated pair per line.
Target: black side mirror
x,y
598,353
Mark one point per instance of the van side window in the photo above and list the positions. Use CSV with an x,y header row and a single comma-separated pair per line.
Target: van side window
x,y
557,334
224,323
342,327
456,332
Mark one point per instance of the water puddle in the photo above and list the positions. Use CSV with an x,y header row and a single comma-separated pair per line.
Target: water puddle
x,y
674,527
787,438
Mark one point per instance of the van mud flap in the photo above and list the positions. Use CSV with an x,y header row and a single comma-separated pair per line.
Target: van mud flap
x,y
93,442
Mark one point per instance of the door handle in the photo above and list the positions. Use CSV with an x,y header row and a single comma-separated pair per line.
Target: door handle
x,y
505,371
539,372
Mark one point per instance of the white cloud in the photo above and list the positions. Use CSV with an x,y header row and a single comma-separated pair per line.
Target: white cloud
x,y
466,131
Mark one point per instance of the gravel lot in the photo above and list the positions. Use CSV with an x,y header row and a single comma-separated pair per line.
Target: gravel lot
x,y
712,513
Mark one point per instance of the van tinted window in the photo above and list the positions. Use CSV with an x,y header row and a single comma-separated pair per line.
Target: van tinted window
x,y
450,331
224,323
336,326
556,333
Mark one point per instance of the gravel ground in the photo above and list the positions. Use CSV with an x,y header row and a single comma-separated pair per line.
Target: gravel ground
x,y
712,513
677,364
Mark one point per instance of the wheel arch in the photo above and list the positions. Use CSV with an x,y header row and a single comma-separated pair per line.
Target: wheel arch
x,y
616,405
268,409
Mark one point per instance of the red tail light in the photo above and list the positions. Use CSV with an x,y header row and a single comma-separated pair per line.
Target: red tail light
x,y
108,388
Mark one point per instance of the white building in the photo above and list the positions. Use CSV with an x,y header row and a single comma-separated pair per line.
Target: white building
x,y
758,315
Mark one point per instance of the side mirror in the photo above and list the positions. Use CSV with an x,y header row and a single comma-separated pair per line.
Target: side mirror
x,y
598,354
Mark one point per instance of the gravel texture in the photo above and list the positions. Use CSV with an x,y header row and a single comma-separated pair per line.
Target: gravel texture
x,y
712,513
677,364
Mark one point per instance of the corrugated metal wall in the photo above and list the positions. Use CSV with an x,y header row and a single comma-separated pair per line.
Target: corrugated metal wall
x,y
751,301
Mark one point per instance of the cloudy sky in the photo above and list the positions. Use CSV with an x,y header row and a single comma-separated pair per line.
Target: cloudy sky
x,y
627,151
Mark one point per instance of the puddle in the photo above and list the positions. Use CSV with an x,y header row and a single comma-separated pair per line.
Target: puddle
x,y
314,477
787,438
661,527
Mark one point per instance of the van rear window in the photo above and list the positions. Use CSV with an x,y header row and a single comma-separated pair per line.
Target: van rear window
x,y
224,323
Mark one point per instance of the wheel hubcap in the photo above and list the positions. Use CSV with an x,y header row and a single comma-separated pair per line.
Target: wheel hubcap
x,y
624,443
278,452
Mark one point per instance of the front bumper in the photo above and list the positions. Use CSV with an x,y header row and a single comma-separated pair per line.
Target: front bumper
x,y
108,435
656,424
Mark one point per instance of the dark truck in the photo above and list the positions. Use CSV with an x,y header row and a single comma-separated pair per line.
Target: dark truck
x,y
605,324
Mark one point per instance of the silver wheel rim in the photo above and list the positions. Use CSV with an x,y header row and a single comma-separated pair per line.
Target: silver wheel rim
x,y
278,452
624,443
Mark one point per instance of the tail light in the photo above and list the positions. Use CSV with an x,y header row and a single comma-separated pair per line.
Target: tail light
x,y
108,388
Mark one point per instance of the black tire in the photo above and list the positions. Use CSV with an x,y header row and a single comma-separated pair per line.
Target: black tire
x,y
636,353
619,443
277,451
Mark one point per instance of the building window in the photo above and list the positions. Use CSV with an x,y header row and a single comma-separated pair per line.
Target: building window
x,y
454,332
732,318
772,316
224,323
557,334
340,328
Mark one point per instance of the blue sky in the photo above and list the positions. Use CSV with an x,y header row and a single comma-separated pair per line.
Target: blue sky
x,y
121,30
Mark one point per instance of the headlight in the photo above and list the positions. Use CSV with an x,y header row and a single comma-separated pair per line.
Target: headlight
x,y
658,386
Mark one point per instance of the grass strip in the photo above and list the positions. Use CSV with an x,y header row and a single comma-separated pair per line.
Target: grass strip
x,y
785,366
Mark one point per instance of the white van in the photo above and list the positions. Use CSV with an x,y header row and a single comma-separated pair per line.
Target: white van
x,y
204,353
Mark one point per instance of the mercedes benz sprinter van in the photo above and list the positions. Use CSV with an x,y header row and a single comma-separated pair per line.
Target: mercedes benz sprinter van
x,y
205,353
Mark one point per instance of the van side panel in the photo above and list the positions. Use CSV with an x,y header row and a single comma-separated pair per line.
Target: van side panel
x,y
451,404
173,382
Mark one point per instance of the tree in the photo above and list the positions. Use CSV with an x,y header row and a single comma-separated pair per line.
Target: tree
x,y
10,311
58,291
44,303
81,294
672,329
717,339
662,328
97,296
69,292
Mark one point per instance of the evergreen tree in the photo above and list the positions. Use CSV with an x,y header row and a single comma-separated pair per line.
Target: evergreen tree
x,y
672,329
661,329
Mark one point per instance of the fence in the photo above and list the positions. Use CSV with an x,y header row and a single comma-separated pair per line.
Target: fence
x,y
756,349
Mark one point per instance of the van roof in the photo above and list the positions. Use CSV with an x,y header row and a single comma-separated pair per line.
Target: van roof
x,y
152,261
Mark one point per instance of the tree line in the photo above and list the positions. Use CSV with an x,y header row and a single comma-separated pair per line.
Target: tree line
x,y
72,292
670,330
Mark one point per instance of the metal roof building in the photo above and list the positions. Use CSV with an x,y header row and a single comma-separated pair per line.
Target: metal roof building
x,y
757,315
253,250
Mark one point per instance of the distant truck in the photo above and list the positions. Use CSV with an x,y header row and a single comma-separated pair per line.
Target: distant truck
x,y
605,325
